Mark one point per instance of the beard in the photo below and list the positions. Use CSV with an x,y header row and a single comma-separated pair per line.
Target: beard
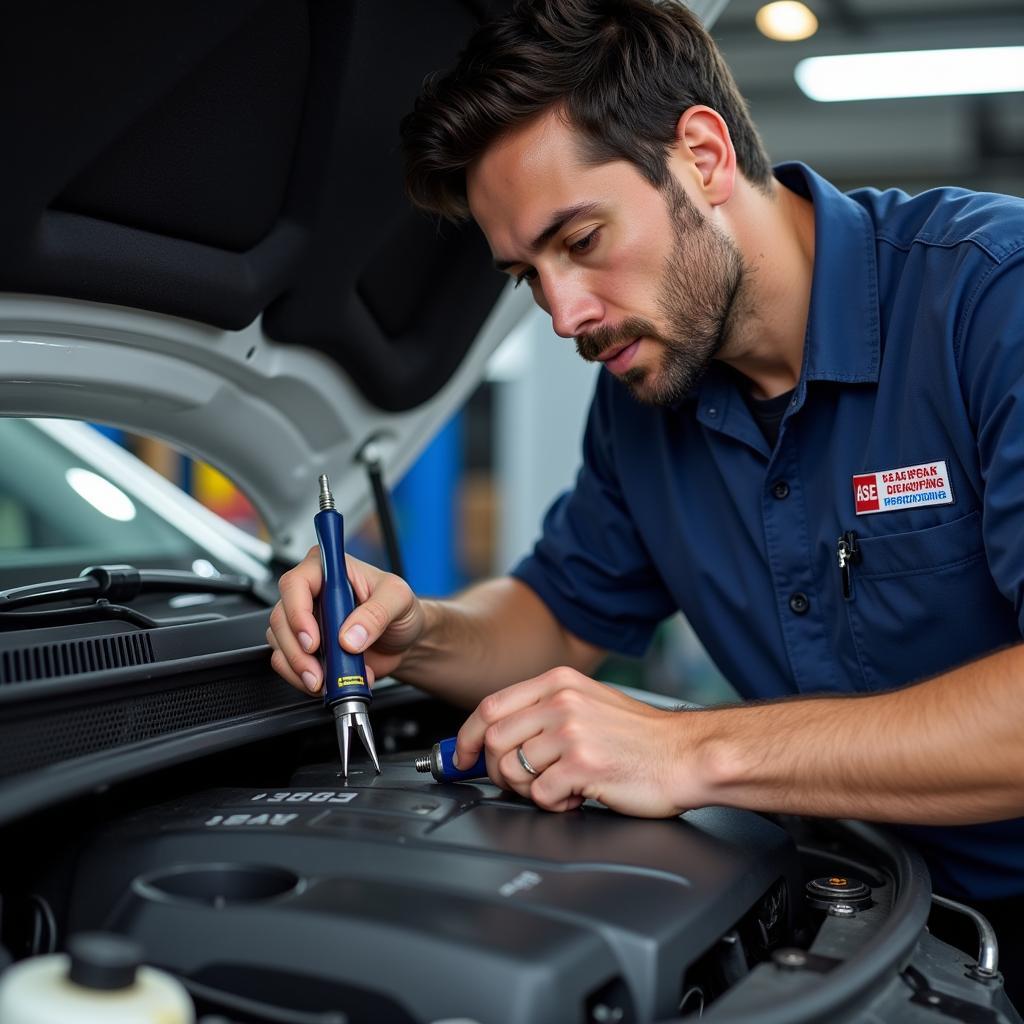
x,y
697,304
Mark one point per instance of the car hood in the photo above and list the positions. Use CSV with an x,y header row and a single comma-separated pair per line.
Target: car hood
x,y
206,238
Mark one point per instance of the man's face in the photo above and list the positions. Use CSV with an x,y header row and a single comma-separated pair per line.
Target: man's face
x,y
641,279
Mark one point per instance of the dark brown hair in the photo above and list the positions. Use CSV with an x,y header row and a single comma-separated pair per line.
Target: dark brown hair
x,y
622,70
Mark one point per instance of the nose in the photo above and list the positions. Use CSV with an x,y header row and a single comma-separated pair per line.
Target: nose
x,y
572,306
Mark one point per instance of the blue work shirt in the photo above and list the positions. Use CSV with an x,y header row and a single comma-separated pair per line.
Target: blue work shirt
x,y
913,357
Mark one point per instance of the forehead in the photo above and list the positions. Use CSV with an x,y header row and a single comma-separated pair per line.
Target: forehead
x,y
529,173
542,150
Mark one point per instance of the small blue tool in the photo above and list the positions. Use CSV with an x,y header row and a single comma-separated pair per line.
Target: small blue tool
x,y
439,763
346,691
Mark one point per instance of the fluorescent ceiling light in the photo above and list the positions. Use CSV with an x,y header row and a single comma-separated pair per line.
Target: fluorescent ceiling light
x,y
872,76
786,20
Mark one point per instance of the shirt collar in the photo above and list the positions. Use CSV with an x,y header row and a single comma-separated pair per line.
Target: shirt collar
x,y
842,342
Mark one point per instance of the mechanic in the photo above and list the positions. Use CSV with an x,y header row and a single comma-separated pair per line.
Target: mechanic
x,y
810,439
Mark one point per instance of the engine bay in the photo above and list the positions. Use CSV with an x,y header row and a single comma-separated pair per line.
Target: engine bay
x,y
405,900
195,805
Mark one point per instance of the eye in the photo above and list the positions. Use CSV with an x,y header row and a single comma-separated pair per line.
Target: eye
x,y
585,244
529,275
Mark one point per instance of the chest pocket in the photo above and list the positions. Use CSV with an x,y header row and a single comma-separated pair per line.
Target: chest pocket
x,y
923,601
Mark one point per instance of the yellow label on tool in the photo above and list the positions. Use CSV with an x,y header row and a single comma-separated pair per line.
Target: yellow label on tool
x,y
351,681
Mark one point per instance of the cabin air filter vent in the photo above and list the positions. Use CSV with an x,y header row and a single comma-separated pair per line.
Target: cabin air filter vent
x,y
74,657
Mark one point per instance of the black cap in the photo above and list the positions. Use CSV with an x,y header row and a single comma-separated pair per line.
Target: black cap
x,y
103,961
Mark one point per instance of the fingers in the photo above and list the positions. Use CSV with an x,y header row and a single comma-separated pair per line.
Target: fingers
x,y
299,587
497,708
556,790
293,634
539,712
540,752
289,661
552,786
383,602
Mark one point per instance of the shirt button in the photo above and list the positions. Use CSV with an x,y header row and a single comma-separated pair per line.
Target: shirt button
x,y
798,603
712,411
780,489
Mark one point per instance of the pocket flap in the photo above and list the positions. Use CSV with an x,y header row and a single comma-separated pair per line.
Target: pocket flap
x,y
921,550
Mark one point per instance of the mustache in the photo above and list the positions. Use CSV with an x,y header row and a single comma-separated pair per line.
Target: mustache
x,y
601,339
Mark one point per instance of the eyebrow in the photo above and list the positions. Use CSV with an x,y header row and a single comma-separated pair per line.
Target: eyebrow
x,y
558,221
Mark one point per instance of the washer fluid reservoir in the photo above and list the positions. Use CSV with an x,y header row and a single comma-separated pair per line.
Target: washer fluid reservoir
x,y
100,980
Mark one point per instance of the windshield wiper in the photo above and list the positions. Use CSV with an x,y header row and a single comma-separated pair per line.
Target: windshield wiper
x,y
107,585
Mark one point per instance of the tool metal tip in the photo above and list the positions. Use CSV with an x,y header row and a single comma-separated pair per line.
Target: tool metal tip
x,y
343,743
423,763
366,735
326,497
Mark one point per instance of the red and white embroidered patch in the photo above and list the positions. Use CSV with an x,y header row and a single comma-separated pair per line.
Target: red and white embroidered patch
x,y
909,487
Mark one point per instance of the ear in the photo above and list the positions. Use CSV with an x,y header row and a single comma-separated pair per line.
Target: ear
x,y
706,151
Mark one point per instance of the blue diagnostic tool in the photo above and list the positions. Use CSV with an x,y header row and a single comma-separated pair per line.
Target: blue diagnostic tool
x,y
346,691
439,763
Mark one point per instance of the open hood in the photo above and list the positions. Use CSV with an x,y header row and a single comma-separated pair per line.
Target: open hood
x,y
205,237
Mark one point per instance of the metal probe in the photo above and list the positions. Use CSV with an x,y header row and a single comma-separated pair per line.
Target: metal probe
x,y
346,691
439,763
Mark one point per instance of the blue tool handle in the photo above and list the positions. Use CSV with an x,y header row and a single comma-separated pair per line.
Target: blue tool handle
x,y
344,673
445,753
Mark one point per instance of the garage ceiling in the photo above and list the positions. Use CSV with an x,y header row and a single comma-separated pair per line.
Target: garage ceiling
x,y
974,141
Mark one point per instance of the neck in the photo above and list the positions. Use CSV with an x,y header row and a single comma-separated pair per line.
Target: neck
x,y
775,237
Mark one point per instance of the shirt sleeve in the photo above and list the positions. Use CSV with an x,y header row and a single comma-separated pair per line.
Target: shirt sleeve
x,y
591,567
991,355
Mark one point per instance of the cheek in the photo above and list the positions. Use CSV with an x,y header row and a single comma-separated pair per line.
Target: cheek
x,y
632,275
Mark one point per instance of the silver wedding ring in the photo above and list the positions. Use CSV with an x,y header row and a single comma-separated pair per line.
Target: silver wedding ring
x,y
527,767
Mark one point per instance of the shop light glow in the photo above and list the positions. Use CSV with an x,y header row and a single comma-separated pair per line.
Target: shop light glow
x,y
101,494
786,21
874,76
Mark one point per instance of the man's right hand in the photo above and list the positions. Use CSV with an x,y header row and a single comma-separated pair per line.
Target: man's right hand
x,y
386,623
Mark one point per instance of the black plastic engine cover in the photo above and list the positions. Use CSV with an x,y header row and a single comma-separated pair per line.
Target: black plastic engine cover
x,y
394,898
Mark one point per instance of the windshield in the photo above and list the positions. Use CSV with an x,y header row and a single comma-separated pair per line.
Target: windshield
x,y
60,513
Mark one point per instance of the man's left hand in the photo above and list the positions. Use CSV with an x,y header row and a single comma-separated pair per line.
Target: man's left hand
x,y
585,740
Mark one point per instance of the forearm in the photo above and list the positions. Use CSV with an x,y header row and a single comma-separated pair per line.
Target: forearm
x,y
946,751
492,635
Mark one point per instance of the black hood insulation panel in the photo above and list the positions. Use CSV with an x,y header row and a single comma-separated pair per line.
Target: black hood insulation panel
x,y
219,161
